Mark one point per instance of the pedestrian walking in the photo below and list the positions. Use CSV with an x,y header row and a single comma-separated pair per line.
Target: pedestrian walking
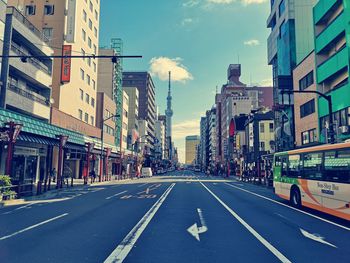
x,y
53,174
93,176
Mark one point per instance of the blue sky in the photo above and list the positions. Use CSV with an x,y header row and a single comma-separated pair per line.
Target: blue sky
x,y
196,40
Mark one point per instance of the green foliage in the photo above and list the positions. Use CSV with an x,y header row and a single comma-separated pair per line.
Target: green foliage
x,y
5,184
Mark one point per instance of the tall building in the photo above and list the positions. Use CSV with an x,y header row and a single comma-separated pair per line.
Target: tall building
x,y
71,27
2,25
332,51
290,41
237,98
212,138
169,114
133,115
125,121
147,107
162,118
191,144
160,139
202,144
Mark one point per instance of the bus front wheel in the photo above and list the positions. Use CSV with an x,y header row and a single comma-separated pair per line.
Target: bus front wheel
x,y
295,197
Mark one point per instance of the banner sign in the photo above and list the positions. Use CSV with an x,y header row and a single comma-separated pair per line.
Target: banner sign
x,y
66,63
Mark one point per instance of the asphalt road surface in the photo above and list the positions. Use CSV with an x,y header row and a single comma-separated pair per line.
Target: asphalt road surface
x,y
179,217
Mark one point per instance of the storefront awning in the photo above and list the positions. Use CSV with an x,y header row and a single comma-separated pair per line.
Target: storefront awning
x,y
37,139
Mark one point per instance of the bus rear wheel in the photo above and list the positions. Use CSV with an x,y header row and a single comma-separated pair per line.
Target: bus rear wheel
x,y
295,198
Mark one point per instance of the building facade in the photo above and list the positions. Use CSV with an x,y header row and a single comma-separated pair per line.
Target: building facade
x,y
160,139
125,121
133,115
332,51
290,41
147,107
306,105
191,145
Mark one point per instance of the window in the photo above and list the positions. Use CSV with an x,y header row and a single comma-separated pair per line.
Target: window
x,y
281,8
306,81
86,117
337,166
93,84
96,15
92,102
83,34
30,10
89,42
94,66
90,24
87,98
80,112
294,166
48,32
284,165
49,10
312,166
271,127
262,128
82,74
88,79
84,16
92,119
283,29
95,49
307,108
89,61
83,53
91,6
81,94
95,31
262,146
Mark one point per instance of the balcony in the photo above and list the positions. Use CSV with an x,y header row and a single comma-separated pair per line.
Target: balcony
x,y
330,33
322,8
32,68
333,64
28,101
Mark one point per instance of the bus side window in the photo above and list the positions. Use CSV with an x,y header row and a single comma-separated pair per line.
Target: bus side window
x,y
337,166
294,166
284,164
312,166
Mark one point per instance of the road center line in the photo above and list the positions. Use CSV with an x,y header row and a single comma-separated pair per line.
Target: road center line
x,y
107,198
142,185
33,226
124,248
290,207
262,240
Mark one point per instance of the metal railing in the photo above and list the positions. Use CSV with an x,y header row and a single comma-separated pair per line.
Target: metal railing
x,y
21,18
28,95
35,62
20,190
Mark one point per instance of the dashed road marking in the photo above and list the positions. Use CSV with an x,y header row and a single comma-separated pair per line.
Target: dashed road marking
x,y
107,198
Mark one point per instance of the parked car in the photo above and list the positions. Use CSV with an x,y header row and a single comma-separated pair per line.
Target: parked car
x,y
146,172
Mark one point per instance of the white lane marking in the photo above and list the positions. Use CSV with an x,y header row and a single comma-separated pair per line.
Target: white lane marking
x,y
290,207
18,208
33,226
194,230
262,240
142,185
109,197
316,237
124,248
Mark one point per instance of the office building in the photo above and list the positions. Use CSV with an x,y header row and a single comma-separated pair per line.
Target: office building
x,y
191,144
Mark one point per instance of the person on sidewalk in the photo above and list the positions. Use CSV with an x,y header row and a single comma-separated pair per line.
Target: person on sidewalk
x,y
93,176
53,174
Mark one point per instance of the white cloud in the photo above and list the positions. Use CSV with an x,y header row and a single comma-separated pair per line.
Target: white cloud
x,y
266,82
252,42
160,67
185,128
244,2
248,2
186,21
190,3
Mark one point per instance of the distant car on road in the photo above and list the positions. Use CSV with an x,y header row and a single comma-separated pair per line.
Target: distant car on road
x,y
146,172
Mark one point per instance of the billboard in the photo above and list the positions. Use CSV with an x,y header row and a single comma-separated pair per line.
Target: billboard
x,y
70,34
66,63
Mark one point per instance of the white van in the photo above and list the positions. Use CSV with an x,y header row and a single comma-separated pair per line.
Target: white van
x,y
146,172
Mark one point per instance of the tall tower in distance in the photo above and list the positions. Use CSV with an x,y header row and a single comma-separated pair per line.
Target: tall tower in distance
x,y
169,114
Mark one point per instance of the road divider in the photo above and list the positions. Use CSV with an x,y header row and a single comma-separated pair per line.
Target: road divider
x,y
261,239
33,226
124,248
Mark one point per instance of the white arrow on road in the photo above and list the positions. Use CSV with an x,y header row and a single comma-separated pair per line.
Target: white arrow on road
x,y
194,230
316,238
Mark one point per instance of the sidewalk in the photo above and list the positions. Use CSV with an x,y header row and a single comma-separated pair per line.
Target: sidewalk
x,y
78,184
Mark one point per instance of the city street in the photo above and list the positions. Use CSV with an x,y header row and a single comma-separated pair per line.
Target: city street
x,y
179,217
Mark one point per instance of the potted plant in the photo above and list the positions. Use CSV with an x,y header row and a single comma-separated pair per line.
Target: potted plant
x,y
5,188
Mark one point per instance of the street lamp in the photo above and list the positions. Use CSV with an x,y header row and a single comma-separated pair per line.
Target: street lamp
x,y
102,125
328,98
